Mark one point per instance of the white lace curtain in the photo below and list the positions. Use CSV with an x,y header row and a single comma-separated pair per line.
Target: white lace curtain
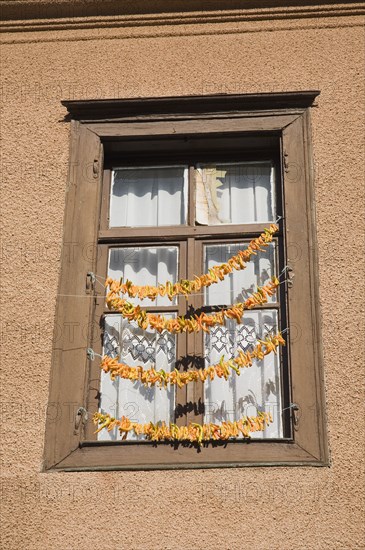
x,y
235,193
149,197
132,399
258,388
145,266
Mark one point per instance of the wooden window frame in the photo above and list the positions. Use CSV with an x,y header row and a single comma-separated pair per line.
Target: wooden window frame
x,y
95,123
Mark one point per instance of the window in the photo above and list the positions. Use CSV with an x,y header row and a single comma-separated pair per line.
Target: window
x,y
164,189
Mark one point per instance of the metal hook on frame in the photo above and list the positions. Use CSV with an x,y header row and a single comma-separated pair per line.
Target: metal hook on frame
x,y
294,408
90,281
290,276
81,416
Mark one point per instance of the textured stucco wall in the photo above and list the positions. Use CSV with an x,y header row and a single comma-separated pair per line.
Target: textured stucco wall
x,y
249,508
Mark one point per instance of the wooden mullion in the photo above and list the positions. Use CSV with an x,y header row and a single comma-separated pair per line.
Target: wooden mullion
x,y
121,235
193,393
192,197
181,342
198,387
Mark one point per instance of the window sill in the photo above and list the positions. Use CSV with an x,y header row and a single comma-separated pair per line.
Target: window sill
x,y
165,456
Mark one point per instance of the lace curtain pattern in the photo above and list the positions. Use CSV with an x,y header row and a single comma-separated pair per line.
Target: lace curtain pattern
x,y
132,399
258,388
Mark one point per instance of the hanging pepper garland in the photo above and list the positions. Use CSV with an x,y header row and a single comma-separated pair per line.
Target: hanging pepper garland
x,y
184,286
223,369
203,321
193,432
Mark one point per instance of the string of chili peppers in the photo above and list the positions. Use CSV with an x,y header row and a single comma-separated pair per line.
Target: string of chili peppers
x,y
203,321
223,369
194,432
185,286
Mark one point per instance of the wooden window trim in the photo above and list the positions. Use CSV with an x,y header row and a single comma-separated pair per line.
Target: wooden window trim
x,y
92,124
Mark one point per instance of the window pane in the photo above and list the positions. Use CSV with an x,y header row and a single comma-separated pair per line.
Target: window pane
x,y
235,193
132,399
149,196
238,285
145,266
258,388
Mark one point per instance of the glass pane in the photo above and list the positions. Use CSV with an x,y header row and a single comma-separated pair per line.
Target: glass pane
x,y
238,285
149,196
235,193
145,266
258,388
132,399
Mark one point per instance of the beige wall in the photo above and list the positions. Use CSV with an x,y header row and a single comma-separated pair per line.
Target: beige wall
x,y
248,508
